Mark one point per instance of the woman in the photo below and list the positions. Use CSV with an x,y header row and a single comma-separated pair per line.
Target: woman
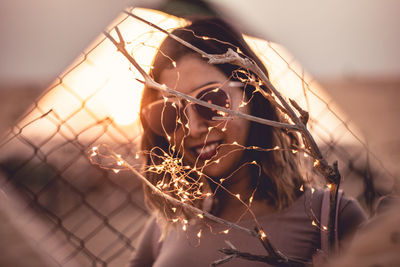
x,y
238,170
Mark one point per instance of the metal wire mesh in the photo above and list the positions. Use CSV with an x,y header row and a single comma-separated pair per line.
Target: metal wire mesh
x,y
91,216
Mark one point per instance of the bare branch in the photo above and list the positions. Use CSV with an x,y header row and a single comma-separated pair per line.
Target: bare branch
x,y
304,116
272,252
148,81
330,173
234,58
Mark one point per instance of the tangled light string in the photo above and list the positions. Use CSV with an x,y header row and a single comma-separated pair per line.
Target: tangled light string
x,y
106,158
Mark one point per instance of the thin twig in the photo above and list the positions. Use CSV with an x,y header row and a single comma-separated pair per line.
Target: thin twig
x,y
148,81
272,251
226,258
234,58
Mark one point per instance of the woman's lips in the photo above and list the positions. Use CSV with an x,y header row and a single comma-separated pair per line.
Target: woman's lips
x,y
206,151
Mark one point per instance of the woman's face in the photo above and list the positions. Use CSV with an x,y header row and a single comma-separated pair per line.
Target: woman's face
x,y
207,140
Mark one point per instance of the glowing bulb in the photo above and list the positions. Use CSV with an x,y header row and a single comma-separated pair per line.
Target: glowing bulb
x,y
312,190
238,196
225,231
316,163
324,228
199,234
120,162
174,64
251,200
175,220
200,216
263,235
137,156
217,161
94,151
313,223
116,170
301,188
184,227
223,129
329,186
173,209
294,151
305,155
205,38
276,148
163,86
235,143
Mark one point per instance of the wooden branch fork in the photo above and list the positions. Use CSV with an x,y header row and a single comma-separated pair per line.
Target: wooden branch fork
x,y
330,173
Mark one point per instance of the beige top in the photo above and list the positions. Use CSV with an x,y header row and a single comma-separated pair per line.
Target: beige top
x,y
290,230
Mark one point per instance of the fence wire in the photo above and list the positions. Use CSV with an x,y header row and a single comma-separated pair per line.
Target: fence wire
x,y
92,217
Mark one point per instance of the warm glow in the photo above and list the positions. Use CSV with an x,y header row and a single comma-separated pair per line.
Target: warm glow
x,y
104,83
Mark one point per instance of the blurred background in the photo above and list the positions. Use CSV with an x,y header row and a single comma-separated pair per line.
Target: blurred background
x,y
88,216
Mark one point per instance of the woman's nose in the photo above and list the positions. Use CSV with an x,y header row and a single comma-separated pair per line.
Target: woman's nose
x,y
197,125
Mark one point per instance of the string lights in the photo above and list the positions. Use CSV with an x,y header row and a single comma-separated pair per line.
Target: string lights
x,y
185,182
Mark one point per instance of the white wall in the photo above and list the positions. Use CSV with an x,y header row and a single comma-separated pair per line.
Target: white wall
x,y
330,38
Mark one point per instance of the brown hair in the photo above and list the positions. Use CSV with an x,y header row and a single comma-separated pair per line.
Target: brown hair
x,y
280,176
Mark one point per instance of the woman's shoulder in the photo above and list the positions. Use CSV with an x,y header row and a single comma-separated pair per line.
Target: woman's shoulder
x,y
346,203
350,213
350,216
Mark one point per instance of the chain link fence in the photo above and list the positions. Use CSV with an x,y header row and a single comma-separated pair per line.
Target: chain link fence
x,y
89,216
